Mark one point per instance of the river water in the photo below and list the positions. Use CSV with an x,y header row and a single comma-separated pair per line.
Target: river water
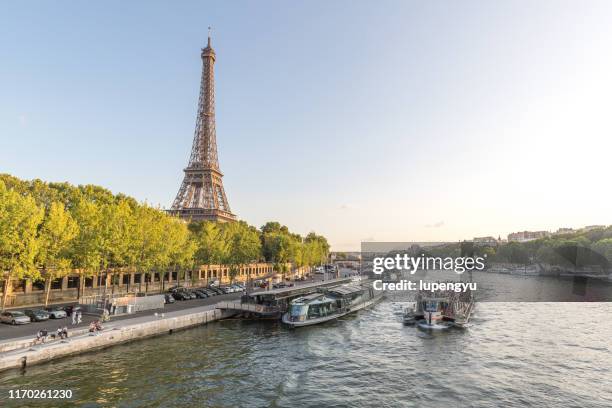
x,y
514,354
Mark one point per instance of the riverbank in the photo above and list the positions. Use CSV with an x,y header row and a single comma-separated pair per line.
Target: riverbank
x,y
113,333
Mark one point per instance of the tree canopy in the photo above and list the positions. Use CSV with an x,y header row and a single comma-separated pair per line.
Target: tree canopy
x,y
50,229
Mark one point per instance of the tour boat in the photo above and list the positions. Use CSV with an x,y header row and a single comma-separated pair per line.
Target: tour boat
x,y
441,310
330,304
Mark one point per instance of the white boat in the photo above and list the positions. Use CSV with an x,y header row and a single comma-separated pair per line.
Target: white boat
x,y
331,304
442,310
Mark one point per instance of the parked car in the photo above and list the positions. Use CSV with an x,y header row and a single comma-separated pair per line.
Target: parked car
x,y
200,294
14,318
209,292
168,298
218,291
56,313
179,295
37,315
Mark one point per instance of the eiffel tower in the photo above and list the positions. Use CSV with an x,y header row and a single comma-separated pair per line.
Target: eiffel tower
x,y
201,195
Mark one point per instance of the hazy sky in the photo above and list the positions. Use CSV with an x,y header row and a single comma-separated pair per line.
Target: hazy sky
x,y
388,120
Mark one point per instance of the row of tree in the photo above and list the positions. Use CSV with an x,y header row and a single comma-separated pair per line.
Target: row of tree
x,y
580,248
49,230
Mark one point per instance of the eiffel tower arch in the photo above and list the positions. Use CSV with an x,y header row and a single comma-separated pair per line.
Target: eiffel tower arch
x,y
201,195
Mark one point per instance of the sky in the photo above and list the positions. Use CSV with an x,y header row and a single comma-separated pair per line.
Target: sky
x,y
360,120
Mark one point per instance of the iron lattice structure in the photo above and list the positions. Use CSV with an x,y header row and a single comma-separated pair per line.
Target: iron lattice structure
x,y
201,195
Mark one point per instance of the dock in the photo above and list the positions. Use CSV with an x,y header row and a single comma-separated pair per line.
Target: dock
x,y
271,303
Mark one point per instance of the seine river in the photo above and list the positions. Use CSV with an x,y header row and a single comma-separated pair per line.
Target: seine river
x,y
514,354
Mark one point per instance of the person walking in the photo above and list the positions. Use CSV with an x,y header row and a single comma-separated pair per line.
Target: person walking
x,y
74,317
79,317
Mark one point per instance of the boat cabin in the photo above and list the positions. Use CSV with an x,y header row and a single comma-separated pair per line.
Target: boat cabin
x,y
313,306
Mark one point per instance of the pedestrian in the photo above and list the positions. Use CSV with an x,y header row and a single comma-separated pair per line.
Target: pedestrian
x,y
65,332
79,317
59,333
74,317
41,336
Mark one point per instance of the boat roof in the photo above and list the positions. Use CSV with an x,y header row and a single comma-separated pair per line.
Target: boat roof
x,y
346,289
293,290
307,298
319,301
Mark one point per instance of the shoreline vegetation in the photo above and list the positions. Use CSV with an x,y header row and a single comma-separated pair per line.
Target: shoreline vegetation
x,y
51,230
589,249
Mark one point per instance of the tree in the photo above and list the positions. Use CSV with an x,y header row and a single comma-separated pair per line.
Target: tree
x,y
604,247
20,218
243,244
56,235
148,242
86,247
211,241
181,249
117,232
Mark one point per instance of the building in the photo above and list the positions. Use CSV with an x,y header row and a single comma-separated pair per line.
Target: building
x,y
485,241
525,236
201,195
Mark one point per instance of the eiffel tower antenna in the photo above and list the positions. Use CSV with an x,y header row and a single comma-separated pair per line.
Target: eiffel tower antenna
x,y
201,195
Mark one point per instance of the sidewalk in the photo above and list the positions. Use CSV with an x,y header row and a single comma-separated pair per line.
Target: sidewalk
x,y
8,332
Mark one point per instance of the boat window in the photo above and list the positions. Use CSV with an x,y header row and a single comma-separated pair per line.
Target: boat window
x,y
314,311
299,310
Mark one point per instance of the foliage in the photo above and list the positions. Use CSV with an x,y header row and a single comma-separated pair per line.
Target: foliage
x,y
58,227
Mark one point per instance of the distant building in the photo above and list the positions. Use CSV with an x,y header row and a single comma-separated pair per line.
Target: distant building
x,y
483,241
565,231
525,236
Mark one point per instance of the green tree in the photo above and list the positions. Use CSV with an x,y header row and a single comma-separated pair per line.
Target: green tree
x,y
212,243
20,218
56,235
86,253
243,244
604,247
117,233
